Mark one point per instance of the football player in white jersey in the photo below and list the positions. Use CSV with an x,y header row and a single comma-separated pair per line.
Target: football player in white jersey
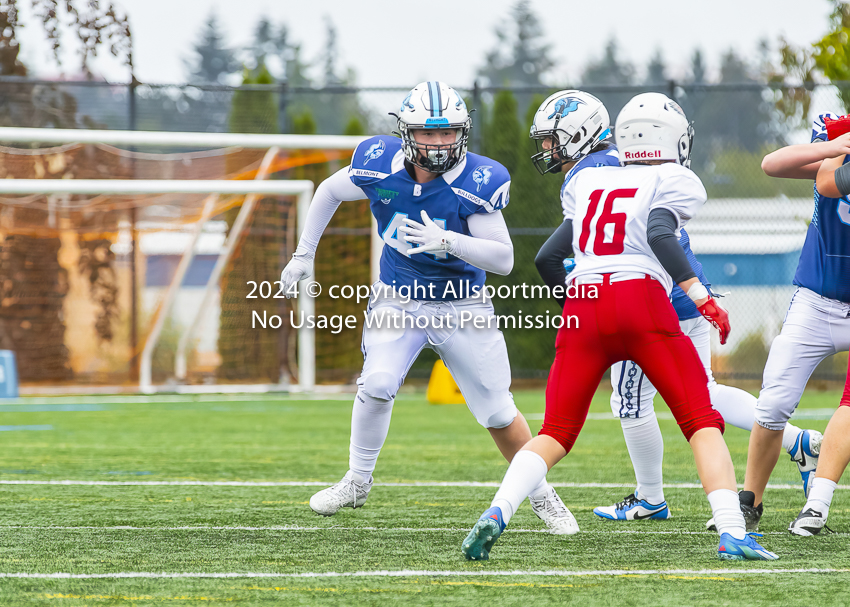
x,y
621,223
438,209
572,131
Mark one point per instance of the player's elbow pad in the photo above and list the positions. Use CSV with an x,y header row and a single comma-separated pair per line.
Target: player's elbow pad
x,y
842,179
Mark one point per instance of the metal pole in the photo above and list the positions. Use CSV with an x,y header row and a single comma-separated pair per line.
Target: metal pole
x,y
134,287
176,139
229,246
307,307
145,372
476,105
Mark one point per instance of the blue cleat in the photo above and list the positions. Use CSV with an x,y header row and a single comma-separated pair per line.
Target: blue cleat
x,y
479,542
633,509
805,454
746,549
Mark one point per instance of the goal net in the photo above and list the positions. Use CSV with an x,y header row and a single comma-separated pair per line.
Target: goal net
x,y
122,268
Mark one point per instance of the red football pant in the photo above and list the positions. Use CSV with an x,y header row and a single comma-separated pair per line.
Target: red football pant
x,y
845,400
630,320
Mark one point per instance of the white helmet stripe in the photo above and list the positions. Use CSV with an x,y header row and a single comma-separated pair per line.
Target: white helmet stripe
x,y
436,98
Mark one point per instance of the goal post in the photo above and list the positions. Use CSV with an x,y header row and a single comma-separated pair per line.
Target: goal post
x,y
209,198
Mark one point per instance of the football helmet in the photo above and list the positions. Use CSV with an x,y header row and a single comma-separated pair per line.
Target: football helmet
x,y
651,126
433,105
576,121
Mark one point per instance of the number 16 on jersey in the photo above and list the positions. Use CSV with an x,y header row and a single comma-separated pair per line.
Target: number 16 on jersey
x,y
608,232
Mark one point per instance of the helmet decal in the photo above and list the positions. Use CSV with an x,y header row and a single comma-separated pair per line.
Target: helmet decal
x,y
565,106
406,102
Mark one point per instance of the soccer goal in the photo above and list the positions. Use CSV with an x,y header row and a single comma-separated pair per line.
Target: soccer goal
x,y
147,261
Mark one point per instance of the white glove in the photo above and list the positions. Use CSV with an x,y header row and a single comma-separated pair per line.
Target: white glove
x,y
430,237
298,268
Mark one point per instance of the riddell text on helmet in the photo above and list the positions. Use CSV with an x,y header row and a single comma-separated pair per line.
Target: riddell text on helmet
x,y
644,154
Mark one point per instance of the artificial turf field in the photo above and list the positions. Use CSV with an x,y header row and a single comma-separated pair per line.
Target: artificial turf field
x,y
255,540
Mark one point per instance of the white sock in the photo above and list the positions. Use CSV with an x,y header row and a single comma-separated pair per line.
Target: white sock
x,y
820,495
789,437
370,423
727,513
524,474
737,407
646,448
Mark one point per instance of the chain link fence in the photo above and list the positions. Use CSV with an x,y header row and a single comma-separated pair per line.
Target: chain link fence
x,y
748,236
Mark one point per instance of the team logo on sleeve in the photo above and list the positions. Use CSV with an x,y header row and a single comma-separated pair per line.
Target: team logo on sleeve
x,y
481,175
565,106
375,151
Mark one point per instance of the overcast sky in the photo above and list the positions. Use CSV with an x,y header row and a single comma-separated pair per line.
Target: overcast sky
x,y
392,43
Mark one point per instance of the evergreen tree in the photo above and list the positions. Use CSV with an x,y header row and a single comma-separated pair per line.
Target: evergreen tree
x,y
528,60
534,211
697,68
254,111
502,141
609,69
213,60
656,71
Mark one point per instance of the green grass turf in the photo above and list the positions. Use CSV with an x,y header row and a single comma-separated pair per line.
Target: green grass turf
x,y
70,528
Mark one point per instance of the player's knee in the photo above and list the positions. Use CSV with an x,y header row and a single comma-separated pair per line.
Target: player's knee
x,y
634,422
564,437
710,419
773,413
380,385
500,419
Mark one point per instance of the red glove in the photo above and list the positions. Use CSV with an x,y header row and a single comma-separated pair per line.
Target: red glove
x,y
717,316
836,126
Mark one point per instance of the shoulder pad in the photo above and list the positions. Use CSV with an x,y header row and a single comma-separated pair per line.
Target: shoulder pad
x,y
602,158
485,183
373,159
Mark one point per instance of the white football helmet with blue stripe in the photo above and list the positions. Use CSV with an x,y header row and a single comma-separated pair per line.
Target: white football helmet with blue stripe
x,y
434,105
576,121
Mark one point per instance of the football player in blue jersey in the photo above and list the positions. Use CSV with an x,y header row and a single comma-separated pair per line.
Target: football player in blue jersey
x,y
817,324
569,142
438,209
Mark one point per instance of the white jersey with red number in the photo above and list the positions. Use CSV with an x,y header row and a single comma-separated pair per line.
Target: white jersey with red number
x,y
609,208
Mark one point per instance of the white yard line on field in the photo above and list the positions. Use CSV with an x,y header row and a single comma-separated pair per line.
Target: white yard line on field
x,y
328,483
418,573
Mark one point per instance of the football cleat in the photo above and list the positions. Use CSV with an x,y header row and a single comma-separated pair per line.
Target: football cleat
x,y
809,522
746,549
633,509
752,514
347,493
552,511
805,454
479,542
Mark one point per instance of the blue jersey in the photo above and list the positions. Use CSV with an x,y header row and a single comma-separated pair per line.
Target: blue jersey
x,y
476,185
824,265
684,305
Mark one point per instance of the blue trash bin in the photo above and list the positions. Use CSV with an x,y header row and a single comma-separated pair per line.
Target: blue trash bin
x,y
8,375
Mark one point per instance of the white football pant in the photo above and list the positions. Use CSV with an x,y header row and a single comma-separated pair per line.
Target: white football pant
x,y
815,327
477,358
